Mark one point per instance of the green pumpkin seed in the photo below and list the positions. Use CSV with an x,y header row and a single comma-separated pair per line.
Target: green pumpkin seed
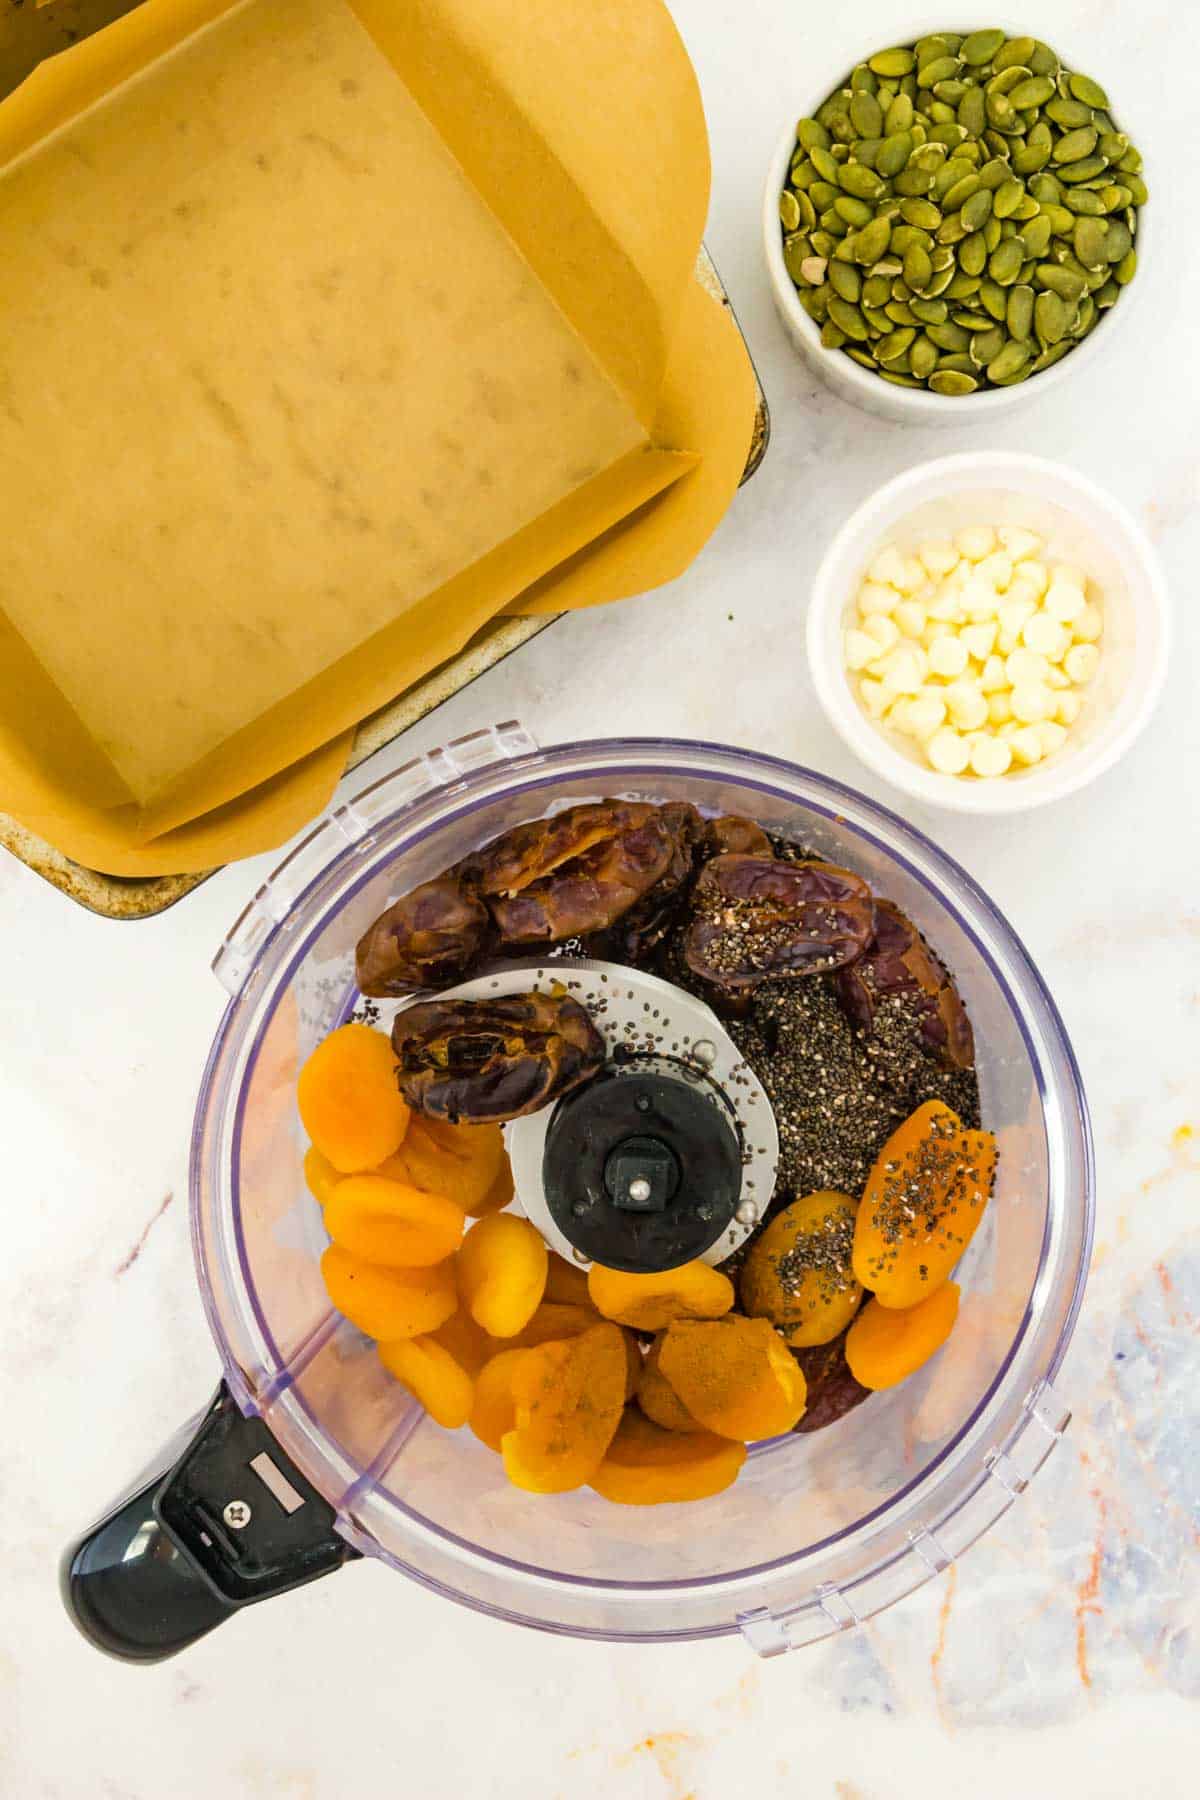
x,y
993,299
972,321
899,116
1006,81
1068,113
1113,197
1049,357
823,244
1036,236
1088,91
1131,162
979,47
1085,317
1118,241
845,281
808,212
866,115
900,314
971,113
962,190
1050,317
1008,198
876,290
1004,264
1126,269
831,337
796,252
863,80
922,358
1046,189
1064,282
1113,145
855,212
1031,90
1074,146
951,230
963,286
864,184
997,143
1139,193
862,358
1062,220
942,256
912,183
823,193
878,322
1008,361
1108,295
812,134
900,380
948,336
1042,59
950,92
930,157
1026,208
930,312
789,211
815,302
994,232
986,346
916,211
892,62
1016,52
892,347
948,132
950,383
905,236
972,253
1029,158
939,68
847,317
872,241
1073,173
823,162
958,360
1018,316
976,210
940,282
1091,243
894,152
866,152
937,43
918,267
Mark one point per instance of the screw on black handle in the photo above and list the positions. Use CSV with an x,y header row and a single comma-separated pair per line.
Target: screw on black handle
x,y
223,1520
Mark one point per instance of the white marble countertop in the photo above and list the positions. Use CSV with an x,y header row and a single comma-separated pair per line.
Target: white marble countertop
x,y
1063,1650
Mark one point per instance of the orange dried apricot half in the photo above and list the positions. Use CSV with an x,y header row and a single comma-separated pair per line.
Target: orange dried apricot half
x,y
569,1399
433,1376
647,1466
467,1342
658,1399
388,1222
649,1302
923,1201
320,1176
734,1376
798,1273
467,1163
502,1273
494,1408
887,1344
349,1102
566,1282
389,1303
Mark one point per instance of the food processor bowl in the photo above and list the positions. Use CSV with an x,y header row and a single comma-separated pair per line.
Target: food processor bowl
x,y
820,1531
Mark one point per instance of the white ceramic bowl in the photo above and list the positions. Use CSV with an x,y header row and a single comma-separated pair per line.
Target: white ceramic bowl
x,y
1081,524
840,372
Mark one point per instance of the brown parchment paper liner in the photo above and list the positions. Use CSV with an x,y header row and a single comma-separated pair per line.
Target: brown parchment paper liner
x,y
582,139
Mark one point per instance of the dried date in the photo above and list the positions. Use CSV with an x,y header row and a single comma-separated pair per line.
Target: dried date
x,y
899,962
479,1061
428,938
759,919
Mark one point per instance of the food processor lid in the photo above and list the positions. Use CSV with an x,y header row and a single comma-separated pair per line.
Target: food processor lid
x,y
668,1154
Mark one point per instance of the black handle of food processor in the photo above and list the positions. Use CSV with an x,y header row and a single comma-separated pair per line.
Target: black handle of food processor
x,y
222,1519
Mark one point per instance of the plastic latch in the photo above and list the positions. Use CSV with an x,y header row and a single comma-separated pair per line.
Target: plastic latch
x,y
1003,1469
932,1554
763,1632
349,827
836,1607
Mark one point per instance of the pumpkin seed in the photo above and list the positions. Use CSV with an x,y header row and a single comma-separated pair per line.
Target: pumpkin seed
x,y
900,314
863,80
900,380
979,47
831,337
845,281
1017,51
972,321
1064,282
899,115
789,210
1018,315
1088,91
892,62
973,254
1050,317
918,267
1004,264
1049,357
948,336
930,312
1036,236
1074,146
950,92
812,134
922,357
863,358
986,346
847,317
1031,90
1126,269
1085,317
1091,243
1008,361
951,383
894,153
892,347
976,210
1072,173
1118,241
866,115
963,287
971,113
1139,193
1068,113
855,212
1042,59
1108,295
958,360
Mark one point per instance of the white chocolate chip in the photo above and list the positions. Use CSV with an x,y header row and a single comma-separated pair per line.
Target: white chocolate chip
x,y
1046,636
1067,707
859,649
947,752
888,566
936,628
912,577
1068,573
990,756
926,714
1032,702
980,640
968,706
999,709
994,677
875,597
939,557
980,601
1018,542
910,617
947,604
1056,678
996,570
1064,602
1051,736
1088,626
1034,575
1022,665
873,696
1081,662
975,542
883,630
903,672
948,657
1026,744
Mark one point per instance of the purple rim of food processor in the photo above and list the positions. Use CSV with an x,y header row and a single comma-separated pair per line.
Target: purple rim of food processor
x,y
643,759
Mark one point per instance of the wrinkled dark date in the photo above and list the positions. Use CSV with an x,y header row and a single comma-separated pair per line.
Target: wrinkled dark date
x,y
897,961
632,937
429,938
832,1389
479,1061
731,835
758,919
579,872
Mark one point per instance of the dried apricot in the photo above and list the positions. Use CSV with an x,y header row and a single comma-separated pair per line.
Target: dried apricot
x,y
499,1195
887,1344
554,1319
734,1376
320,1176
798,1273
502,1273
648,1302
569,1399
388,1222
389,1303
658,1399
467,1163
348,1099
493,1409
433,1376
567,1282
647,1466
923,1201
467,1342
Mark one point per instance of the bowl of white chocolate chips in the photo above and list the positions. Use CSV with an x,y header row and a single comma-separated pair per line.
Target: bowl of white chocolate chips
x,y
989,631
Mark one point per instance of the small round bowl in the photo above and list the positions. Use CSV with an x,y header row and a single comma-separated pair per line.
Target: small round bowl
x,y
835,368
1081,524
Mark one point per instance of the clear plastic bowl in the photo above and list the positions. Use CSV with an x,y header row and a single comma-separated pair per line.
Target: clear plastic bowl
x,y
818,1532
